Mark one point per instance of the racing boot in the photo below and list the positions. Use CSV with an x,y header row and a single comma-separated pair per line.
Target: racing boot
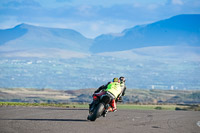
x,y
113,105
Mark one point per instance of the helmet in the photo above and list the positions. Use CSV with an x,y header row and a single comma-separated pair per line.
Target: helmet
x,y
115,80
122,79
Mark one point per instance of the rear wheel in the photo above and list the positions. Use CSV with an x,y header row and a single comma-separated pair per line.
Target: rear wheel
x,y
97,112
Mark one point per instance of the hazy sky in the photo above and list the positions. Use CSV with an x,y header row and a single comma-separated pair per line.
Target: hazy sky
x,y
92,17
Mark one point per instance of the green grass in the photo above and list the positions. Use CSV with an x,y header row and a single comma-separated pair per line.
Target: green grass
x,y
76,105
148,107
119,106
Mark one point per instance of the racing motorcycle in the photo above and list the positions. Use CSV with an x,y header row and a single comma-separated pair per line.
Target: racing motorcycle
x,y
100,105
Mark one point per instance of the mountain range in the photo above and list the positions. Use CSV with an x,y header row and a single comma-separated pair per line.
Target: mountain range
x,y
27,40
181,30
178,30
164,54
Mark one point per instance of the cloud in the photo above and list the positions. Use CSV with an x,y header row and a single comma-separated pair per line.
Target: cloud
x,y
152,6
8,22
85,10
20,4
89,17
177,2
63,1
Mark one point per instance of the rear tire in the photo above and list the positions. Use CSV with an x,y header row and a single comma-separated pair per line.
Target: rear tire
x,y
97,112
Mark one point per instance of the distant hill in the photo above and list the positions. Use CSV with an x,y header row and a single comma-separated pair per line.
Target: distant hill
x,y
28,39
85,95
181,30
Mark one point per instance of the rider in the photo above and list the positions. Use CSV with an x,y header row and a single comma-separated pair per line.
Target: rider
x,y
122,84
114,89
101,90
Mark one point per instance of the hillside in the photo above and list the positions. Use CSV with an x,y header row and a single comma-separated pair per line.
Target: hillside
x,y
85,95
27,40
181,30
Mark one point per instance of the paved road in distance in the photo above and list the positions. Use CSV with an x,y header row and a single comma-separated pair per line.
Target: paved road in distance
x,y
63,120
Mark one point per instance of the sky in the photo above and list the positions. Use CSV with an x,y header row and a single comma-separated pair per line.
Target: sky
x,y
92,17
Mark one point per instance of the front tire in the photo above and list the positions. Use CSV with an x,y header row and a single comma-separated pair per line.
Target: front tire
x,y
97,112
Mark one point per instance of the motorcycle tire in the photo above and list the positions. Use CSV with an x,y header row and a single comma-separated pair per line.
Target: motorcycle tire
x,y
97,112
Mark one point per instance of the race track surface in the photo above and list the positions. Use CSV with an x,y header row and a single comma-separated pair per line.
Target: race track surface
x,y
63,120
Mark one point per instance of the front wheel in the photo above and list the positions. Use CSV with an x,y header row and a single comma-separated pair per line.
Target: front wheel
x,y
97,112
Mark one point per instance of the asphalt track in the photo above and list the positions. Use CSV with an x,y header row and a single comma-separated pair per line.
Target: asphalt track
x,y
63,120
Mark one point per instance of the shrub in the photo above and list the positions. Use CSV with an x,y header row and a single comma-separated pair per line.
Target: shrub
x,y
158,108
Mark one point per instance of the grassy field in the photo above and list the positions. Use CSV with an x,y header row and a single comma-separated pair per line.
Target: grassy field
x,y
150,107
119,106
134,96
72,105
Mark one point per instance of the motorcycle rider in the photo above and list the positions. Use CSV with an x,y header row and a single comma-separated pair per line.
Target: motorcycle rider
x,y
122,84
113,89
102,88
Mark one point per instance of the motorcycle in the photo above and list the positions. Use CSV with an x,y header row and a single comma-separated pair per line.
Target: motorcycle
x,y
100,105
